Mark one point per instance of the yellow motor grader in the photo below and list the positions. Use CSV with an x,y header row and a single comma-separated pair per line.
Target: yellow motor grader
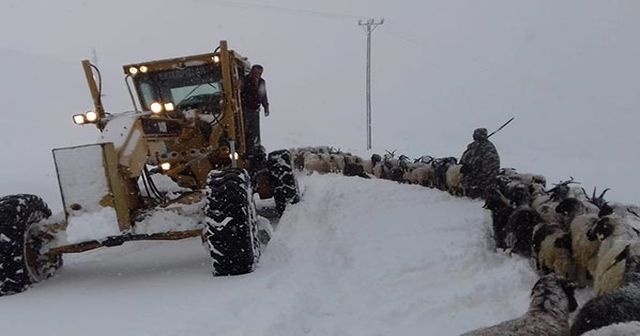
x,y
186,132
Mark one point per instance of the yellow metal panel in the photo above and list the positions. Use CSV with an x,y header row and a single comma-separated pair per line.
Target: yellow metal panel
x,y
95,94
121,200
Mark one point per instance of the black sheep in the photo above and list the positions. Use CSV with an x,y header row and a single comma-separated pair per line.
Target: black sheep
x,y
501,209
622,305
440,167
519,230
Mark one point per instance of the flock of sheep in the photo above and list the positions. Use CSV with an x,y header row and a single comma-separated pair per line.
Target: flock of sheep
x,y
442,173
574,239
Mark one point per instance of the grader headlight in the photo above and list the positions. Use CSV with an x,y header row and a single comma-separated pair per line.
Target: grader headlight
x,y
91,116
79,119
133,71
156,107
165,166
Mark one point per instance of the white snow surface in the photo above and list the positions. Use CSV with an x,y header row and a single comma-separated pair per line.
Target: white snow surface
x,y
354,257
118,128
92,226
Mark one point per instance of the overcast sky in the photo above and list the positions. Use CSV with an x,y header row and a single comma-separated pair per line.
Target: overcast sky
x,y
568,71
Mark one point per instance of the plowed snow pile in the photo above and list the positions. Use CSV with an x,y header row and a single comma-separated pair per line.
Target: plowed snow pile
x,y
355,257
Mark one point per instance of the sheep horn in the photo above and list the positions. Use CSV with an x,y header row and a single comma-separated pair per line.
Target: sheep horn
x,y
587,195
602,195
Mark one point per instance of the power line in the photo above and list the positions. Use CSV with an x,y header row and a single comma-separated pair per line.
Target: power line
x,y
294,11
405,38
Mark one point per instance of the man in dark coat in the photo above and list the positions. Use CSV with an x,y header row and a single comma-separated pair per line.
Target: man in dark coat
x,y
254,95
480,164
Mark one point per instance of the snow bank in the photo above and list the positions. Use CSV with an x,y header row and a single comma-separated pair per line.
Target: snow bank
x,y
354,257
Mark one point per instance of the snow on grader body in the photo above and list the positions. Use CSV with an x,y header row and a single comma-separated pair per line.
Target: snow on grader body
x,y
187,125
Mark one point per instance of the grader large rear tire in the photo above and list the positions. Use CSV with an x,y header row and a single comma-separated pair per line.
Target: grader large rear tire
x,y
283,181
21,260
232,224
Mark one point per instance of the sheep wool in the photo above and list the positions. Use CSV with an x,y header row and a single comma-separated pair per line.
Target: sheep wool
x,y
585,251
618,329
619,306
519,230
552,250
552,299
612,266
454,180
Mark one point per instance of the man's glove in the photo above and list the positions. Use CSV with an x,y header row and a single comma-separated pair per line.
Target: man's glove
x,y
266,111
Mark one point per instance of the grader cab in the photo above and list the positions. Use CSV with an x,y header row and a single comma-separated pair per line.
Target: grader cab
x,y
187,132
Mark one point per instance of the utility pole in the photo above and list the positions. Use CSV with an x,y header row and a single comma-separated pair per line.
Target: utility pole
x,y
369,26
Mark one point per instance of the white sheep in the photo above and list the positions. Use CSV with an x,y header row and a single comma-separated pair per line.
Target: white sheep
x,y
545,207
615,236
369,165
571,208
454,180
612,230
336,162
525,178
552,250
585,251
612,265
353,166
546,203
379,170
420,173
620,306
552,299
617,329
315,163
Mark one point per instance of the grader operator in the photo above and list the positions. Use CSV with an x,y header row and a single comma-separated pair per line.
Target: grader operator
x,y
187,124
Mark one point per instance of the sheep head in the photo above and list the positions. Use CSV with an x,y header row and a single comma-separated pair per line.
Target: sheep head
x,y
539,179
569,207
603,229
520,194
390,154
424,159
564,242
495,200
605,210
561,190
597,201
376,158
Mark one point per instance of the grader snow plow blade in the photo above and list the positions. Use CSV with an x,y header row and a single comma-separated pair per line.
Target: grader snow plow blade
x,y
90,184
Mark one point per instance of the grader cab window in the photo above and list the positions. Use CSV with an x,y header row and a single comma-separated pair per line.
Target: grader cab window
x,y
196,87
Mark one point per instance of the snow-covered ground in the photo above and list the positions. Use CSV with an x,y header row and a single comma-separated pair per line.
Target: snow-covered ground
x,y
355,257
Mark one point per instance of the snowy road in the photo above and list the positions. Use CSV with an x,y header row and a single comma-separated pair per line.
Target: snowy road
x,y
355,257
